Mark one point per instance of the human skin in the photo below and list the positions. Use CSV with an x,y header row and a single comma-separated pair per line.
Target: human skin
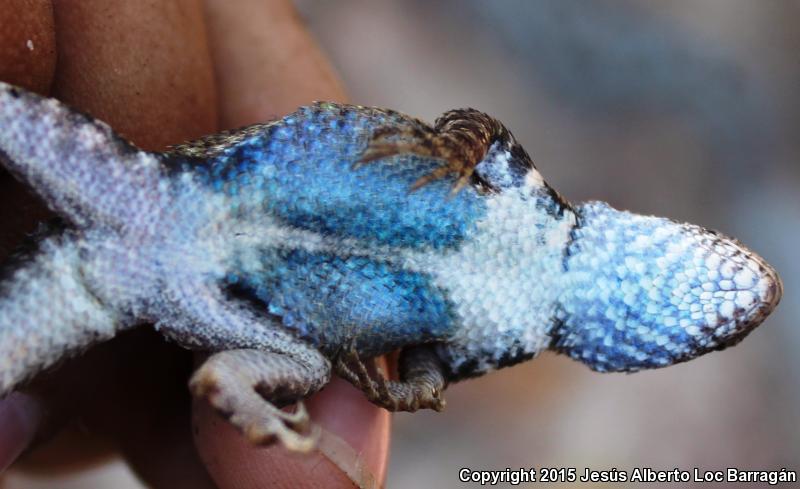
x,y
162,72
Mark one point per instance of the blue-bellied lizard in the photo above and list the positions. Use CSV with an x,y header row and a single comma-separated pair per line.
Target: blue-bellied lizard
x,y
299,247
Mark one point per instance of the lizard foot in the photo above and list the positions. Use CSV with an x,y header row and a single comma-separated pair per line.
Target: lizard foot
x,y
237,383
410,394
461,139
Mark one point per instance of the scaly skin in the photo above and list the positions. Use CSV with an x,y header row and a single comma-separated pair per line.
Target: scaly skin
x,y
340,233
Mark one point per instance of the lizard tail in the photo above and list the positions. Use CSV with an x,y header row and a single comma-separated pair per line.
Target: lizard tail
x,y
77,164
46,310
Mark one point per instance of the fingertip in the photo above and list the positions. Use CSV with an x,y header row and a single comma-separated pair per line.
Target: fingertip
x,y
353,449
350,421
20,418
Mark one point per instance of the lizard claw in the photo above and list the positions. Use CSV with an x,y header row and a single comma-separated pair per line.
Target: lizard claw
x,y
417,393
423,143
460,139
230,382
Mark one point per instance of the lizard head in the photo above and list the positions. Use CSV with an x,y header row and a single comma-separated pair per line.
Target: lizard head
x,y
645,292
615,290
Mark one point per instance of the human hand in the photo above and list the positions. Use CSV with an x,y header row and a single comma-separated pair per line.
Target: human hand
x,y
161,73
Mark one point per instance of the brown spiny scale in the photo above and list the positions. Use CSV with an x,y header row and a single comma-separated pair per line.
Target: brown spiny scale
x,y
461,138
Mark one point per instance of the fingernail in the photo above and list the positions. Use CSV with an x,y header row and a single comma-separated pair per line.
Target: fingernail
x,y
355,433
347,459
20,416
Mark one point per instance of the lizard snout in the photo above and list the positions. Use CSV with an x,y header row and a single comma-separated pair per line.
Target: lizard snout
x,y
758,290
646,292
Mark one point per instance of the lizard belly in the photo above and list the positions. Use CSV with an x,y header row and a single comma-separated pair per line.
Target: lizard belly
x,y
332,298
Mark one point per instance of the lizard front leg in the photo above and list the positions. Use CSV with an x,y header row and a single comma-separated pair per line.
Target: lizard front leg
x,y
422,379
460,138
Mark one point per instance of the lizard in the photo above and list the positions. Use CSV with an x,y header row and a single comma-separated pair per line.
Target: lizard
x,y
312,244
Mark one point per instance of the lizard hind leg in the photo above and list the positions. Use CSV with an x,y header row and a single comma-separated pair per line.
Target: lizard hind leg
x,y
80,166
48,309
249,386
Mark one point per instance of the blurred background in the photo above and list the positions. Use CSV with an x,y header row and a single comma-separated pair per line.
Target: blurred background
x,y
686,109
